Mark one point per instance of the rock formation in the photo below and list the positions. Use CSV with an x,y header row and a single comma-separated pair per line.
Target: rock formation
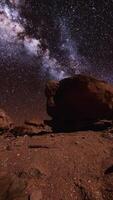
x,y
5,121
79,99
30,128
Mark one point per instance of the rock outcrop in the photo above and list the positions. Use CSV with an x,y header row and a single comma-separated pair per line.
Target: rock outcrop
x,y
79,99
30,128
5,121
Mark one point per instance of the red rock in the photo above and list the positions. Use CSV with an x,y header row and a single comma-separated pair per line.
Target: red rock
x,y
79,98
5,121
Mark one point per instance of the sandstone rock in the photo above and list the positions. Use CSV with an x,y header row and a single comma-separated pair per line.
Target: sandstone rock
x,y
5,121
30,128
50,91
79,98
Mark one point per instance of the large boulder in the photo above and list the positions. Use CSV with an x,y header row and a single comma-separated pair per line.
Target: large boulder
x,y
79,98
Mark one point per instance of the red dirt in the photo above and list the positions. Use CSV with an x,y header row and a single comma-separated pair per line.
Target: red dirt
x,y
60,166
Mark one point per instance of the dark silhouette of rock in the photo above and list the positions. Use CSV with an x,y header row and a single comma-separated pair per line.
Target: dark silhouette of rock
x,y
109,170
5,121
79,100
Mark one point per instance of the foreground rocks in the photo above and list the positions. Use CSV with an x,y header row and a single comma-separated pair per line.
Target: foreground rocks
x,y
79,100
30,128
72,166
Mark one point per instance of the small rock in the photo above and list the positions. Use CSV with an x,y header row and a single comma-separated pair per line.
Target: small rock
x,y
36,195
31,173
76,142
52,135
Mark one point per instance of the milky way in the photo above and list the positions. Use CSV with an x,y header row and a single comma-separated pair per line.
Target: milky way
x,y
13,32
40,40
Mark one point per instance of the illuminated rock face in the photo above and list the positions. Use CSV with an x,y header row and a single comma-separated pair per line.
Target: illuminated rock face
x,y
80,98
5,121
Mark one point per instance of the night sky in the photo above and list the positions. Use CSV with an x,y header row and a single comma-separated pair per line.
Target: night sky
x,y
41,40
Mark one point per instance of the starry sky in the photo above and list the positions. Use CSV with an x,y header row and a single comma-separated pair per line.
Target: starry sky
x,y
41,40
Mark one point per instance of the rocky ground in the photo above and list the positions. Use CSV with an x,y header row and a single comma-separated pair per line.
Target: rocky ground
x,y
40,161
60,166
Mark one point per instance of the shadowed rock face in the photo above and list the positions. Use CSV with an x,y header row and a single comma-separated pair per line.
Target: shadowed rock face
x,y
79,98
